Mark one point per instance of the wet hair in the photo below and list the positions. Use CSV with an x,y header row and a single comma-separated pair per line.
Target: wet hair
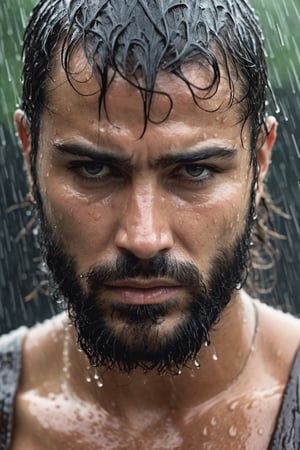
x,y
137,39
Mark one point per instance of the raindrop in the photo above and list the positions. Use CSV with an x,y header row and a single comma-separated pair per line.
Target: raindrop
x,y
233,405
213,421
232,431
215,356
100,383
96,376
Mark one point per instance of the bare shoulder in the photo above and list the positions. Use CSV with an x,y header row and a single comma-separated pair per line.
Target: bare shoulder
x,y
42,345
279,336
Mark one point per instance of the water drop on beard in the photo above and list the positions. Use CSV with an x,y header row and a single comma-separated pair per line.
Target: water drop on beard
x,y
88,377
100,383
98,379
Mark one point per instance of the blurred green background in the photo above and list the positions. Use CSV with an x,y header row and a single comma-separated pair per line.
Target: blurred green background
x,y
19,274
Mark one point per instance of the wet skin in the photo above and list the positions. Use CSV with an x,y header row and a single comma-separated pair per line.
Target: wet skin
x,y
183,188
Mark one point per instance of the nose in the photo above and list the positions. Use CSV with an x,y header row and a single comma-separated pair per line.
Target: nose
x,y
144,228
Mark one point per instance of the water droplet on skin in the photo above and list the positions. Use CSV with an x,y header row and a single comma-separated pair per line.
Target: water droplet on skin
x,y
261,431
196,363
205,431
215,356
213,421
232,431
233,405
88,379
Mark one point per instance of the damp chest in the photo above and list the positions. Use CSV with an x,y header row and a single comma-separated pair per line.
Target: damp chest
x,y
234,425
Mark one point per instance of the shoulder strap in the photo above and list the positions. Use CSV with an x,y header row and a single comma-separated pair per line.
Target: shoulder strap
x,y
287,432
10,367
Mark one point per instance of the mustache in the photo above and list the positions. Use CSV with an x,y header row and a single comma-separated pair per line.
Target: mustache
x,y
128,266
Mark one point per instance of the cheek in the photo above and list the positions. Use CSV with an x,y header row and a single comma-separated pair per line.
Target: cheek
x,y
213,224
84,227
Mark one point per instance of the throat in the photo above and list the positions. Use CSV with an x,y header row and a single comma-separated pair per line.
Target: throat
x,y
216,370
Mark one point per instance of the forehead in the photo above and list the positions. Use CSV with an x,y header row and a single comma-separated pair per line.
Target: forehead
x,y
75,96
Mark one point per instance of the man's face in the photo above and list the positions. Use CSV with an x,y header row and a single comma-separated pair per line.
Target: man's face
x,y
147,236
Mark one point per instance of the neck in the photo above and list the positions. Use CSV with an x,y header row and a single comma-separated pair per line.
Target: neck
x,y
221,365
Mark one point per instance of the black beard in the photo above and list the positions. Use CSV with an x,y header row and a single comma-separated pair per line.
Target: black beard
x,y
140,344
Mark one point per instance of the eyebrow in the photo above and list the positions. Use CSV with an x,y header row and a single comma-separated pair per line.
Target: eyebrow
x,y
215,151
94,154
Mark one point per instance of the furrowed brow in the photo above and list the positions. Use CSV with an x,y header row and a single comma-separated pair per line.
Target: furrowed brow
x,y
91,153
216,152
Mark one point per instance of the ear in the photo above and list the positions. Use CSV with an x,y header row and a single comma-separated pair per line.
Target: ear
x,y
264,154
23,130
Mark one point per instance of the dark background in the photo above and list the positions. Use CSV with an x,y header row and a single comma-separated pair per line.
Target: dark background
x,y
20,270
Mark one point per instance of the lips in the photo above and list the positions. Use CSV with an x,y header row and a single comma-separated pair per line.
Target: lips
x,y
133,292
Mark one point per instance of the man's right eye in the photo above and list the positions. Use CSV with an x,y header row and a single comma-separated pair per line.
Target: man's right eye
x,y
90,170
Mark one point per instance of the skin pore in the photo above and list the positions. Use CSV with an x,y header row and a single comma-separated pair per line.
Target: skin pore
x,y
146,201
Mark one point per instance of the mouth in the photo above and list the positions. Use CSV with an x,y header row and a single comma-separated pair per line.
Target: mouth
x,y
142,292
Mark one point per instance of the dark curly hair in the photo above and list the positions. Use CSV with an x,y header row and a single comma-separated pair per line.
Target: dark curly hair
x,y
139,38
